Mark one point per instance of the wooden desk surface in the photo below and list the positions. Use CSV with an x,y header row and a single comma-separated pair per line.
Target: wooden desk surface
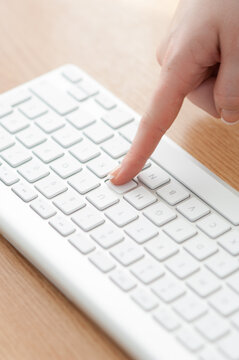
x,y
115,41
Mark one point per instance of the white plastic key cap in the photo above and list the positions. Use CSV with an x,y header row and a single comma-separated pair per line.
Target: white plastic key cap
x,y
6,140
87,218
141,230
127,253
62,225
7,175
190,308
121,214
117,117
102,261
222,265
162,247
107,235
201,247
193,209
50,122
168,289
173,193
72,73
212,327
229,346
140,197
67,136
33,170
84,182
14,122
16,155
153,177
24,191
89,87
105,101
5,110
180,230
213,225
116,147
144,299
33,108
147,270
232,281
48,151
159,213
102,165
69,202
30,137
66,166
81,119
17,97
235,320
122,280
121,189
50,186
166,318
230,242
102,197
84,244
203,283
98,132
182,265
43,208
77,93
85,151
190,339
225,301
129,131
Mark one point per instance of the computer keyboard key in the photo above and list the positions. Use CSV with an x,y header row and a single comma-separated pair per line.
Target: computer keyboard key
x,y
31,137
87,218
50,122
232,281
230,242
83,182
81,119
82,243
140,197
129,131
180,230
85,151
102,198
166,318
225,301
168,289
43,208
127,253
190,339
7,175
18,97
6,140
213,225
33,170
173,193
147,270
16,155
107,235
24,191
121,189
62,225
162,247
212,327
121,214
105,101
98,133
190,308
201,247
102,261
144,299
66,166
229,346
51,186
77,93
235,320
69,202
116,147
203,283
153,177
48,151
182,265
5,110
89,87
14,122
33,108
67,136
72,73
193,209
222,265
159,213
141,230
210,354
117,117
102,165
122,280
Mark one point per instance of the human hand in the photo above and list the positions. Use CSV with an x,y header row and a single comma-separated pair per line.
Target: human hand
x,y
200,60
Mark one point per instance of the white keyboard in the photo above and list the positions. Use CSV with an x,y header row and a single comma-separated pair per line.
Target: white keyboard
x,y
155,265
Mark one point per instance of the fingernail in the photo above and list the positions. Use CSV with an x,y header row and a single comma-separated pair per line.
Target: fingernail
x,y
229,123
230,116
113,173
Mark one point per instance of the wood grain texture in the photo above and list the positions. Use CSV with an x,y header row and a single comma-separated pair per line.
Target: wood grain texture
x,y
115,42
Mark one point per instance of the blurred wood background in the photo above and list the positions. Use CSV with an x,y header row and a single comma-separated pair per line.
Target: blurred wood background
x,y
115,42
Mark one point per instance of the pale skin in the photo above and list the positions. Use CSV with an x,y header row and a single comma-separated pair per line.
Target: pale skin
x,y
199,59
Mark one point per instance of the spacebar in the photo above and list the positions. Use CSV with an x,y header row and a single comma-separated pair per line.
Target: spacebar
x,y
53,97
198,179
